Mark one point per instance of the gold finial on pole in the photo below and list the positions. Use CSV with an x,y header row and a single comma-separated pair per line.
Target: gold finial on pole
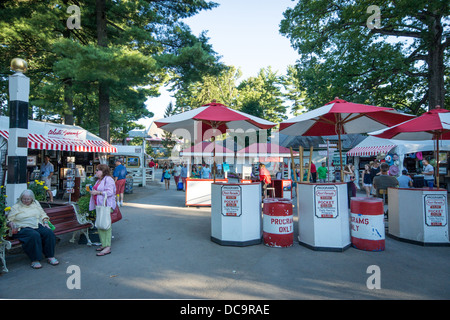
x,y
19,65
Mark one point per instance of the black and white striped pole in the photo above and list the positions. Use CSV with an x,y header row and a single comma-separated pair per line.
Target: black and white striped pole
x,y
19,91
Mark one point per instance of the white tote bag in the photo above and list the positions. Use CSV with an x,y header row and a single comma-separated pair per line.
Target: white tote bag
x,y
103,216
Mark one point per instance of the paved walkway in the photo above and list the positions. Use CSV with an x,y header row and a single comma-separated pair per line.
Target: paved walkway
x,y
162,250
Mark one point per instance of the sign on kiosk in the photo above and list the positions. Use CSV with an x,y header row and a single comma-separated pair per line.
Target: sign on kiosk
x,y
56,132
435,206
326,201
231,201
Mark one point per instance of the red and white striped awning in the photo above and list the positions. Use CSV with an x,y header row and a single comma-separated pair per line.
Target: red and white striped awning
x,y
38,141
369,150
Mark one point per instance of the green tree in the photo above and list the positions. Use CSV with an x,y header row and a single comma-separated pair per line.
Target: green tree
x,y
221,87
99,76
346,50
261,96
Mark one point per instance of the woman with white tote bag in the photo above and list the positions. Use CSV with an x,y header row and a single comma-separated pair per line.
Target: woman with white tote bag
x,y
104,189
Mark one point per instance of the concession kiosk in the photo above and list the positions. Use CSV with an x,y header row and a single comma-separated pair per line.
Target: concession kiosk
x,y
323,216
236,214
73,151
272,156
198,190
419,215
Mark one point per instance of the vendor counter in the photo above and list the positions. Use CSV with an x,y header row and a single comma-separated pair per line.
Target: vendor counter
x,y
323,216
418,215
198,191
236,214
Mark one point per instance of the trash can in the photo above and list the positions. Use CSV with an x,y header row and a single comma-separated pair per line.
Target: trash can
x,y
367,224
278,222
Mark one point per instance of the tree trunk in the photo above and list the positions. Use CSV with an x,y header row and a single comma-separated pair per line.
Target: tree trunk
x,y
436,94
103,89
68,98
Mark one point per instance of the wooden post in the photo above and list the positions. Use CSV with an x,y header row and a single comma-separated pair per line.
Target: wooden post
x,y
293,165
309,164
300,158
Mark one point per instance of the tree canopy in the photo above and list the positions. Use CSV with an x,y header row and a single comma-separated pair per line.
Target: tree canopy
x,y
128,48
387,53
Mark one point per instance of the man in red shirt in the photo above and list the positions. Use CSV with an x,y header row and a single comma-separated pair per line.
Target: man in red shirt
x,y
313,172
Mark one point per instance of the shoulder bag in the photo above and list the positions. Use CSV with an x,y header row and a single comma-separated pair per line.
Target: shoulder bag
x,y
103,216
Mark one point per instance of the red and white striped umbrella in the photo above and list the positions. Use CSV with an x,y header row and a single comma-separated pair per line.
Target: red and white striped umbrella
x,y
341,117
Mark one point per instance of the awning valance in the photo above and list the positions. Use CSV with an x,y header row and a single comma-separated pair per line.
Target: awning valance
x,y
80,140
369,150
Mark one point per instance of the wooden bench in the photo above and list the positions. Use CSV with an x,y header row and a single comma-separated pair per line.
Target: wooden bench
x,y
65,219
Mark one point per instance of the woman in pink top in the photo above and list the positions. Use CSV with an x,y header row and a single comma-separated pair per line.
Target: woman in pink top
x,y
104,187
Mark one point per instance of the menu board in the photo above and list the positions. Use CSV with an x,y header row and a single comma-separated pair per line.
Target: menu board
x,y
231,201
435,208
326,201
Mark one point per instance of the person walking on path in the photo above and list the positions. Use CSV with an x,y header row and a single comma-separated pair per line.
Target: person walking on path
x,y
166,176
120,178
184,173
104,187
176,174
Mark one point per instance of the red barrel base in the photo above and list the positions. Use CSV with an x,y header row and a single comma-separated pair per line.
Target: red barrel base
x,y
278,241
368,245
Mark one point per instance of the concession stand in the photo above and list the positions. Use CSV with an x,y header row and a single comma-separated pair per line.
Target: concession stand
x,y
198,190
420,215
236,214
233,220
73,151
272,156
323,212
404,154
323,218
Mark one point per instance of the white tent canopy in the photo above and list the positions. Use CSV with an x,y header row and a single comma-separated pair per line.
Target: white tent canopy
x,y
403,146
373,145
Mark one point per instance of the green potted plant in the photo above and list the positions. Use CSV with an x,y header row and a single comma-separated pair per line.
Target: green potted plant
x,y
83,207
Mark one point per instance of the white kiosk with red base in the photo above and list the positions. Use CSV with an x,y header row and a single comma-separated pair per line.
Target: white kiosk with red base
x,y
323,216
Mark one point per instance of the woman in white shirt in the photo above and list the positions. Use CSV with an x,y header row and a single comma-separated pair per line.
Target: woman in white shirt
x,y
29,224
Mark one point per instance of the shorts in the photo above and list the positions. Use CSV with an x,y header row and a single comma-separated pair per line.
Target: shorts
x,y
48,181
120,186
367,185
